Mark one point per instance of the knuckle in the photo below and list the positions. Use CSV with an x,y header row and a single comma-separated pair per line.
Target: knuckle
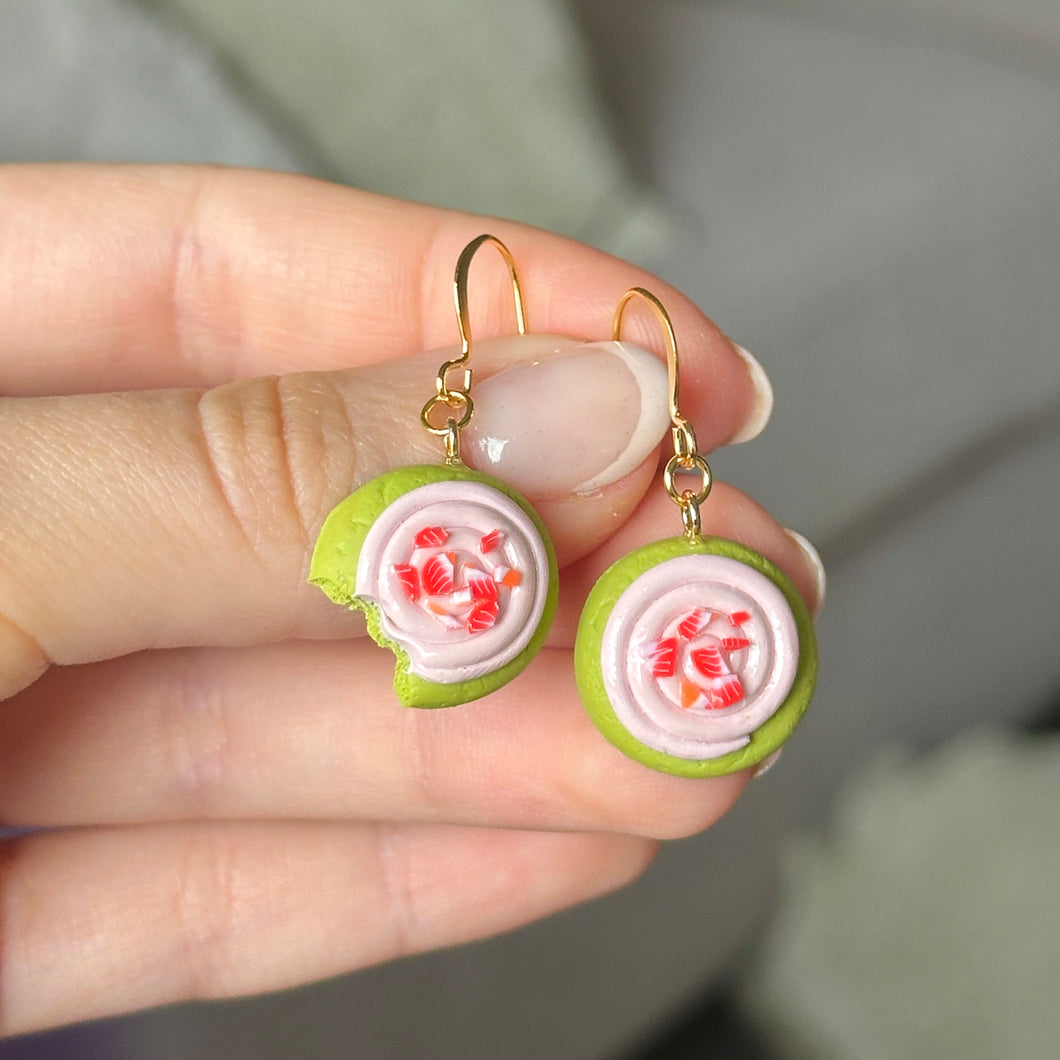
x,y
428,764
274,447
400,900
198,736
205,901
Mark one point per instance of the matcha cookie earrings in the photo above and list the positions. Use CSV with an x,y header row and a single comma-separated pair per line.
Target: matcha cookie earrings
x,y
454,571
694,655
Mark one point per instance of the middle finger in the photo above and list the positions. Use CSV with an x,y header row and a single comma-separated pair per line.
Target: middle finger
x,y
311,730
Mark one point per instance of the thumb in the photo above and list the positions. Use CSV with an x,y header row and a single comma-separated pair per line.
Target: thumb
x,y
186,517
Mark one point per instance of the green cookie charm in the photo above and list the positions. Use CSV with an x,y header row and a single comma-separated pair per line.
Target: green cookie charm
x,y
453,569
696,657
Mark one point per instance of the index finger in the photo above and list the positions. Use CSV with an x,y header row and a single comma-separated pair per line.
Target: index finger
x,y
130,277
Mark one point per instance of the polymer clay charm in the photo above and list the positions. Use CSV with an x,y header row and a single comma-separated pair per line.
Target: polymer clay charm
x,y
453,569
694,655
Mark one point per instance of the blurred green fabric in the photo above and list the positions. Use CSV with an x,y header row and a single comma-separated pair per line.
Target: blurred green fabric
x,y
925,922
471,104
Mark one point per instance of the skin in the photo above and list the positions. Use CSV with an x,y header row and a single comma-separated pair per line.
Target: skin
x,y
197,364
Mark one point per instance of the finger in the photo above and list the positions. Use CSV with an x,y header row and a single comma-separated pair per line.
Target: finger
x,y
311,730
116,278
172,518
106,921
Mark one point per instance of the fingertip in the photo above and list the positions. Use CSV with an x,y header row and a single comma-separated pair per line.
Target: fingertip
x,y
632,857
762,406
22,660
629,798
818,576
766,764
686,808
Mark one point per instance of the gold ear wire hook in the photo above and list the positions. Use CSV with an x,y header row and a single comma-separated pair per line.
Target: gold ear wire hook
x,y
683,434
463,270
459,397
686,458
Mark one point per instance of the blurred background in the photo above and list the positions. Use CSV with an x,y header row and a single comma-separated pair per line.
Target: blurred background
x,y
866,193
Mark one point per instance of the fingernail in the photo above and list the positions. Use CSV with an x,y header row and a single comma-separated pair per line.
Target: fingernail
x,y
767,763
813,558
763,406
570,423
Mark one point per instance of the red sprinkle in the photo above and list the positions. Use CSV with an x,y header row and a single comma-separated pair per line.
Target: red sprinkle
x,y
663,657
491,541
483,616
727,690
709,663
735,643
693,622
431,537
438,575
482,586
409,579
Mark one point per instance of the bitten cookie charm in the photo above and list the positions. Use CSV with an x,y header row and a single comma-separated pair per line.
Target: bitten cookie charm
x,y
453,569
695,655
455,575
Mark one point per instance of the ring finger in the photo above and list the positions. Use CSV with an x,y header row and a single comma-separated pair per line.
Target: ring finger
x,y
312,730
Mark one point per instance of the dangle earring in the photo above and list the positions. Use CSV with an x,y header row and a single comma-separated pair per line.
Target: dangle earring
x,y
454,570
695,655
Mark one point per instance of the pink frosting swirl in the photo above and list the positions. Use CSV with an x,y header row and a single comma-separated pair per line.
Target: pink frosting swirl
x,y
459,574
697,653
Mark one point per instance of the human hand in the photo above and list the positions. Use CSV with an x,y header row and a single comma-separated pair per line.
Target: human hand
x,y
235,802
